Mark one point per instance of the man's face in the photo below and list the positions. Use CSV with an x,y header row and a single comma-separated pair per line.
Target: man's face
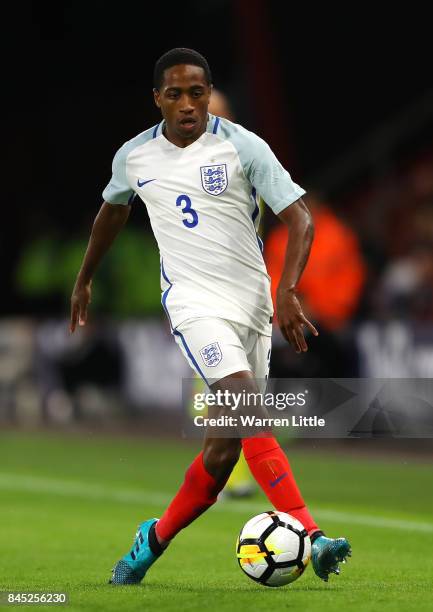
x,y
183,99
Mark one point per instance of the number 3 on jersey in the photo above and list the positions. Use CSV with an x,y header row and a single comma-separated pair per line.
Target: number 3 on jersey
x,y
187,210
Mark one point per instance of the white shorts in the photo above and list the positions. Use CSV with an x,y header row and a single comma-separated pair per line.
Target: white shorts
x,y
215,348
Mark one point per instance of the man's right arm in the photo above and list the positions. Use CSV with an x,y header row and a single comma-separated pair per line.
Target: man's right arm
x,y
108,222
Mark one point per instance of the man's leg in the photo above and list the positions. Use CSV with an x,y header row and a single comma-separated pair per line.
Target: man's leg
x,y
209,472
204,479
213,349
240,482
267,461
271,469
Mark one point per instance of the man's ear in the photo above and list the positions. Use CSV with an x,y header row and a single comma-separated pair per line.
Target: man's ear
x,y
156,97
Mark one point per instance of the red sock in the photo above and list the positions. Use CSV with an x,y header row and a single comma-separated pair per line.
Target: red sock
x,y
197,493
271,469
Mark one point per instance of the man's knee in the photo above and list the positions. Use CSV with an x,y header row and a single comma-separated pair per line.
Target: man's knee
x,y
220,457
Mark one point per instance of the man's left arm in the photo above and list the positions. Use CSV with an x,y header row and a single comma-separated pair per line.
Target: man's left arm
x,y
284,197
289,312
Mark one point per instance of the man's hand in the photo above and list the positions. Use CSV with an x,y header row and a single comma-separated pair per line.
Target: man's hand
x,y
108,223
292,320
81,298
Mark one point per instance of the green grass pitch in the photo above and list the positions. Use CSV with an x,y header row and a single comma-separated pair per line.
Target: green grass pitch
x,y
70,505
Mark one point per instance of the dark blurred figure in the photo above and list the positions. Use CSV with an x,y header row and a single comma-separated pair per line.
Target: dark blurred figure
x,y
400,210
219,105
406,288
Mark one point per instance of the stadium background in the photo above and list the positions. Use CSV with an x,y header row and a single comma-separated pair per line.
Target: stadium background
x,y
347,105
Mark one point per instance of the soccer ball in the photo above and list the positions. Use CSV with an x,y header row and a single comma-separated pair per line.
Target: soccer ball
x,y
273,548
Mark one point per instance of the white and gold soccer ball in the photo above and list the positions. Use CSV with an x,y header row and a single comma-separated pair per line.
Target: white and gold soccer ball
x,y
273,548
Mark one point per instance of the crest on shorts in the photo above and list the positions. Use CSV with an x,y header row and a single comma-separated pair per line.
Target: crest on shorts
x,y
214,178
211,354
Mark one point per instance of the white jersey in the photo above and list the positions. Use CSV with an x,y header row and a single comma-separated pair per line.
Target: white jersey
x,y
202,205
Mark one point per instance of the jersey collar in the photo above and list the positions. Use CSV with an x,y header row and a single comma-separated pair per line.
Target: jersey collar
x,y
211,126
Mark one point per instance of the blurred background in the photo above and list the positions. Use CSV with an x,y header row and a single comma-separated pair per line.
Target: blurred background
x,y
347,106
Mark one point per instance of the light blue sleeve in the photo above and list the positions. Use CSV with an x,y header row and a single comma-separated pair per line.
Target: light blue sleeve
x,y
118,190
262,168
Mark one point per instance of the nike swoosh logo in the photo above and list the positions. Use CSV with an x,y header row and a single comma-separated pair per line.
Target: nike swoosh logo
x,y
141,183
273,483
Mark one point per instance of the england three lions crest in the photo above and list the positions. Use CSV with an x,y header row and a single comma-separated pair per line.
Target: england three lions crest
x,y
211,354
214,178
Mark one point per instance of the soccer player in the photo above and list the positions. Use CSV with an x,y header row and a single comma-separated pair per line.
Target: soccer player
x,y
199,176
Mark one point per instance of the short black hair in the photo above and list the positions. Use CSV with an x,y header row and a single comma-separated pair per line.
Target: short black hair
x,y
177,56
